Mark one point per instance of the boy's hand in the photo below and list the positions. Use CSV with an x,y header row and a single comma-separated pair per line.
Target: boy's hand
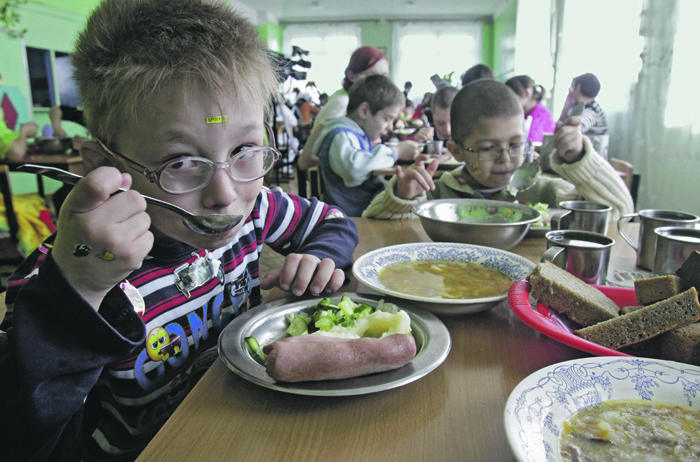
x,y
301,272
409,149
101,237
416,178
424,134
568,140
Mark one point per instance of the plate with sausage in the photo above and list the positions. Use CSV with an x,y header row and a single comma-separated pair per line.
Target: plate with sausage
x,y
268,324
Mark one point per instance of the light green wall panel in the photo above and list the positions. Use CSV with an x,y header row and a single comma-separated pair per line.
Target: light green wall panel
x,y
377,34
504,42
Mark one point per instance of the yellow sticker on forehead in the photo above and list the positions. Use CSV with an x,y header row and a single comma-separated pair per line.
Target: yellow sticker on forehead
x,y
217,120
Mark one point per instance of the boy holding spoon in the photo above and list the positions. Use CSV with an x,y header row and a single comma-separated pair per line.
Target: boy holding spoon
x,y
115,318
488,136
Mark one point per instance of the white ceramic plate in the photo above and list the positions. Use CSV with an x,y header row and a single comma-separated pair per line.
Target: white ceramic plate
x,y
367,267
267,323
538,406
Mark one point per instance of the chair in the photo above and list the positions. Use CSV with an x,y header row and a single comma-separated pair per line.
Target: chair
x,y
628,176
9,253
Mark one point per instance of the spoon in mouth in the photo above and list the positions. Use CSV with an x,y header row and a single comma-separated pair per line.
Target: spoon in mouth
x,y
211,224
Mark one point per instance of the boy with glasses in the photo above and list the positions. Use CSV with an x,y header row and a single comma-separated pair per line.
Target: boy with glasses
x,y
488,136
115,318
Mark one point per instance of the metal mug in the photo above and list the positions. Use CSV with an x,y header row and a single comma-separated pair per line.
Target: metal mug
x,y
435,147
649,220
584,254
583,216
674,244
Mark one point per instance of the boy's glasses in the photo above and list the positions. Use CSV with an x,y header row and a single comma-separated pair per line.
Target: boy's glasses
x,y
494,153
186,174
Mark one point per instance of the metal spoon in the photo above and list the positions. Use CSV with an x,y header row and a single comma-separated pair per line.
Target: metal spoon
x,y
202,224
527,174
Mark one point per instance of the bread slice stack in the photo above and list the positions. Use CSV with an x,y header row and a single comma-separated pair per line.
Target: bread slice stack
x,y
668,308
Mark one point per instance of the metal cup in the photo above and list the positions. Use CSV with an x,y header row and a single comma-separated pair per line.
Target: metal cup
x,y
435,147
583,216
649,220
674,244
584,254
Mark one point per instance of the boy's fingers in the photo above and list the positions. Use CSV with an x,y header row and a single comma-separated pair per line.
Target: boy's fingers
x,y
96,188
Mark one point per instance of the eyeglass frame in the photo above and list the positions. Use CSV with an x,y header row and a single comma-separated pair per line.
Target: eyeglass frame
x,y
153,176
525,146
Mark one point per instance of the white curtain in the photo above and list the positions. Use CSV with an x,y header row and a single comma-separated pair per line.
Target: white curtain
x,y
422,49
329,47
660,140
645,55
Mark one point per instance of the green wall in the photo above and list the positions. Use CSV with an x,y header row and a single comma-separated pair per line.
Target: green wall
x,y
49,28
377,34
504,42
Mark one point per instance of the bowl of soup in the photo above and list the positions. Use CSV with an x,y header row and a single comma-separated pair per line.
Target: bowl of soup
x,y
476,221
606,408
442,277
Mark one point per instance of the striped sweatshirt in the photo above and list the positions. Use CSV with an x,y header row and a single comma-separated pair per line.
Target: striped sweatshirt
x,y
87,385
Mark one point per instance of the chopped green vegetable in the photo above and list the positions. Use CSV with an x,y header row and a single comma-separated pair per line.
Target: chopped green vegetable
x,y
299,325
255,350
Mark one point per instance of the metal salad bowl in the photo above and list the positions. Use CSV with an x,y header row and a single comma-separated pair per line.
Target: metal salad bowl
x,y
476,221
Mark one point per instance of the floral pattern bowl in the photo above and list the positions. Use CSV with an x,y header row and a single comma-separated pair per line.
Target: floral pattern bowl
x,y
366,270
538,406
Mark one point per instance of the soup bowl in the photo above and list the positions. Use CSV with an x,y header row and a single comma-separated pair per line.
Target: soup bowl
x,y
476,221
367,268
537,407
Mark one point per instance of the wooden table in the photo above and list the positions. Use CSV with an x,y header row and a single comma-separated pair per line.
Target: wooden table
x,y
455,413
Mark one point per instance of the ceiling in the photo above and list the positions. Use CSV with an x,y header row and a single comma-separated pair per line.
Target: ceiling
x,y
294,11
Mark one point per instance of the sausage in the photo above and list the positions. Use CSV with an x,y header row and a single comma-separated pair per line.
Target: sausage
x,y
311,357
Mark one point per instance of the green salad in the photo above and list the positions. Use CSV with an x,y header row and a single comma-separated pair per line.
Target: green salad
x,y
346,319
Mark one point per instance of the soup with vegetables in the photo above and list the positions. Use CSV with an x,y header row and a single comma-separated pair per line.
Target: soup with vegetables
x,y
633,430
450,279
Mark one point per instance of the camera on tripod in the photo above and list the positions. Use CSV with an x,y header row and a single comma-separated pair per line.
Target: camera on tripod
x,y
290,67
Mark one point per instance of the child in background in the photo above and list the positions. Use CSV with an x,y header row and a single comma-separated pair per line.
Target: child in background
x,y
487,135
530,96
14,144
115,318
349,148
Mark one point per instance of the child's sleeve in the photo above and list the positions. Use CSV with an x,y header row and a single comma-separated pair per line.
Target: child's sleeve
x,y
388,206
53,352
308,226
596,180
354,164
7,136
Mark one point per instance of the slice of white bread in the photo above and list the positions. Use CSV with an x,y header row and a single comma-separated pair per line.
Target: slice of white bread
x,y
682,344
567,294
652,290
652,320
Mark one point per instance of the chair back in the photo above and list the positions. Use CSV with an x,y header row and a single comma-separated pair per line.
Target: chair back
x,y
626,171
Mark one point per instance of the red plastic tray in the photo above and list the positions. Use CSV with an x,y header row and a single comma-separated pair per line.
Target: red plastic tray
x,y
550,324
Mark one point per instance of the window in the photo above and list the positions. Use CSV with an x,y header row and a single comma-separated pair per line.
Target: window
x,y
683,97
40,77
424,49
51,80
329,47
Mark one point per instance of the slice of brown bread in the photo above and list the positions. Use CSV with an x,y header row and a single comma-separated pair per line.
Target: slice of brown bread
x,y
628,309
567,294
689,271
682,344
655,289
652,320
